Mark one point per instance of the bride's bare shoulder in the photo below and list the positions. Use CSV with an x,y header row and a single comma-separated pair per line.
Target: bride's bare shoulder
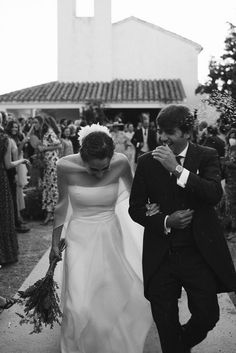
x,y
71,158
120,160
70,163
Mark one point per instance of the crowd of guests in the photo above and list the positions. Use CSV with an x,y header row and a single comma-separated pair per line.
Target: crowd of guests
x,y
223,139
30,149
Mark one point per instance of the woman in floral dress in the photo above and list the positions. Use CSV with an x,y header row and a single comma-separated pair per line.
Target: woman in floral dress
x,y
50,146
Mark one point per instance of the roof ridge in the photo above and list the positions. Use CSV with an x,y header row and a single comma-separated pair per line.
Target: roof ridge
x,y
150,24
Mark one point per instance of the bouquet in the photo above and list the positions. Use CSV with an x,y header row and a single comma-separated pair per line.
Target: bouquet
x,y
41,300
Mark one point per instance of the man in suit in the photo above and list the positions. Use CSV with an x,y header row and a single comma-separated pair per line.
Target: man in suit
x,y
144,139
174,192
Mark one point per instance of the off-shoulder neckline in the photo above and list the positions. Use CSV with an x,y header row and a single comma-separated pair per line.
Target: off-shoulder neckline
x,y
93,187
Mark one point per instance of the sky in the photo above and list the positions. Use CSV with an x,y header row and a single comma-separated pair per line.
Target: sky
x,y
28,33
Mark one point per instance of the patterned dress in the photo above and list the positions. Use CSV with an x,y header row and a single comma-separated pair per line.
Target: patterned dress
x,y
8,236
49,183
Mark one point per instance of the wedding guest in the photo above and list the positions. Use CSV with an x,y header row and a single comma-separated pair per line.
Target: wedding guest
x,y
130,152
63,123
67,147
144,139
17,176
202,131
121,141
152,126
50,146
27,125
8,236
74,137
36,157
20,140
129,130
213,140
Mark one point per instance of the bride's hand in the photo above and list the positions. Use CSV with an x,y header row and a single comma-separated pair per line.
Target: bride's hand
x,y
54,253
152,209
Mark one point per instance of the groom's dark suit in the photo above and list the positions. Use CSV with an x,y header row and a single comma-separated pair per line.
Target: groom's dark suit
x,y
204,237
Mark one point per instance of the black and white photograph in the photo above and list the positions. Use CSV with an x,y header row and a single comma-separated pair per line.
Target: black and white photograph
x,y
117,176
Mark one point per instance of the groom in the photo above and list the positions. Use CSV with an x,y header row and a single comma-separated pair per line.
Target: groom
x,y
183,244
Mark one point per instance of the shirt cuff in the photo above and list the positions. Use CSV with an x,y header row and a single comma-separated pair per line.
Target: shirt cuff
x,y
167,230
182,180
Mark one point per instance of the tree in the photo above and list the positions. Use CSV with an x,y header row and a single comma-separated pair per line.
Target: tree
x,y
222,74
225,104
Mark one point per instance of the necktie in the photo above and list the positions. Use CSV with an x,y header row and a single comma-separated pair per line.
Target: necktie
x,y
145,132
178,158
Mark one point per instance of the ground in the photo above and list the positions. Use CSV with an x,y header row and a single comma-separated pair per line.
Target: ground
x,y
32,246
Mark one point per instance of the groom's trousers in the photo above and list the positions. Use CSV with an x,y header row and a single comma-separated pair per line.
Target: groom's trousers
x,y
183,267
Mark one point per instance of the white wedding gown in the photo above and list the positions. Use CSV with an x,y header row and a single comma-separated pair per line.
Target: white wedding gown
x,y
104,309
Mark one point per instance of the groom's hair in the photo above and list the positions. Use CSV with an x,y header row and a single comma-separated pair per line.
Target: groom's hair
x,y
175,116
97,145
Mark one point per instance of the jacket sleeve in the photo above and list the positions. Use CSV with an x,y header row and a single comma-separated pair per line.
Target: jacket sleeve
x,y
139,198
205,186
134,139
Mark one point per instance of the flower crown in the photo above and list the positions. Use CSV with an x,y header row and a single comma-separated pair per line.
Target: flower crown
x,y
88,129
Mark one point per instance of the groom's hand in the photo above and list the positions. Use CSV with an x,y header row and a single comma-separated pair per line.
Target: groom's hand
x,y
179,219
166,157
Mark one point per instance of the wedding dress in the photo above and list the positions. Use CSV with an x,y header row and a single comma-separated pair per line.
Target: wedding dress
x,y
104,309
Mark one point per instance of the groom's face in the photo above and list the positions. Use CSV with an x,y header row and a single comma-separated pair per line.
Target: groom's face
x,y
174,138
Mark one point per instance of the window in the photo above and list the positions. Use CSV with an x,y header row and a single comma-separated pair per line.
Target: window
x,y
84,8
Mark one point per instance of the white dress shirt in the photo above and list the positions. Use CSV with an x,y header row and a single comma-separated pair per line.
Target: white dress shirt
x,y
145,138
181,181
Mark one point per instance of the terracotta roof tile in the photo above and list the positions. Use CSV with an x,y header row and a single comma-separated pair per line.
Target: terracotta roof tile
x,y
116,91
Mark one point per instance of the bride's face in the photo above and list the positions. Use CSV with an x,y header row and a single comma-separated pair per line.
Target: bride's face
x,y
98,167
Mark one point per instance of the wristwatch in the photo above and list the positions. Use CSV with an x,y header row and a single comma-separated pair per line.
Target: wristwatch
x,y
178,170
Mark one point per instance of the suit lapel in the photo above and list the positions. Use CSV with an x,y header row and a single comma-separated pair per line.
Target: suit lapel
x,y
141,135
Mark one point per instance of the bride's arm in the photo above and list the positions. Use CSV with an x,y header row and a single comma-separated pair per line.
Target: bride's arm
x,y
60,210
126,175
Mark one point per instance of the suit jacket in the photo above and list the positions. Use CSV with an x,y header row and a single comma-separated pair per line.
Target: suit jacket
x,y
138,138
202,192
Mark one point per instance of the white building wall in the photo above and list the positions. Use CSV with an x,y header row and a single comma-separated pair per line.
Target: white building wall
x,y
92,49
84,44
141,51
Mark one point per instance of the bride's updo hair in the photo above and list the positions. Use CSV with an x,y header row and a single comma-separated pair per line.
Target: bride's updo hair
x,y
97,145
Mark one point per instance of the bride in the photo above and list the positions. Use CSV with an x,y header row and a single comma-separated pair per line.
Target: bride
x,y
104,309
